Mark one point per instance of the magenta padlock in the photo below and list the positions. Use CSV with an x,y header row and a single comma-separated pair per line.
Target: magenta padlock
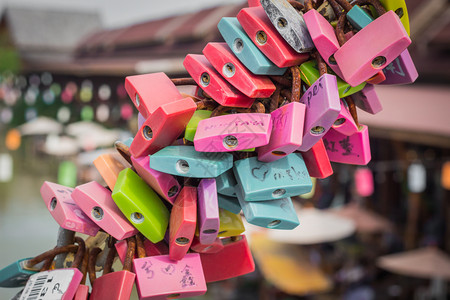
x,y
345,123
372,48
164,184
214,247
159,277
233,132
65,211
231,68
322,108
261,31
354,149
324,38
401,71
213,83
208,211
96,202
367,100
162,127
287,132
364,182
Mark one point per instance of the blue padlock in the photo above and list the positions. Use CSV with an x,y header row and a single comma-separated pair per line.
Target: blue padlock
x,y
273,214
226,184
244,49
185,161
259,181
229,203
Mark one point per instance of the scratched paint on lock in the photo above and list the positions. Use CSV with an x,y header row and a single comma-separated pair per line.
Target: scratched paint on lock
x,y
401,71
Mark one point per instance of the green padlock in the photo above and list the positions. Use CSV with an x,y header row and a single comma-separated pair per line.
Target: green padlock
x,y
310,73
141,205
191,127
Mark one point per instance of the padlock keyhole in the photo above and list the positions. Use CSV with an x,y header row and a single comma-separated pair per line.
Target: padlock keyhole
x,y
278,193
378,62
228,70
182,241
209,231
238,45
282,23
205,79
230,142
399,12
97,213
182,166
53,203
138,100
173,296
137,218
172,191
278,153
261,37
317,130
147,132
332,60
274,223
339,122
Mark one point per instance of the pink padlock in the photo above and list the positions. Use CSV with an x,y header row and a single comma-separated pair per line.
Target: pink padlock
x,y
364,182
65,211
213,83
208,211
231,68
367,100
354,149
317,161
322,108
259,28
96,202
162,127
233,132
253,3
287,132
345,123
183,220
164,184
214,247
360,57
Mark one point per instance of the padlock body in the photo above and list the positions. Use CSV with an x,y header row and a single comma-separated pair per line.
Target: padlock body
x,y
230,224
226,183
14,275
364,182
317,161
367,100
229,203
344,122
401,71
213,247
208,211
399,7
109,166
191,127
113,286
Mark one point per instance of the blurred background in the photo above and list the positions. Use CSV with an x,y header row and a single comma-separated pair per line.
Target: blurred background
x,y
63,102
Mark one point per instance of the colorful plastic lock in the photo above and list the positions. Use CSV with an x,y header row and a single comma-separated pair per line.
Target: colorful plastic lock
x,y
229,203
162,183
367,100
310,74
191,127
253,3
213,247
259,181
287,132
401,71
258,27
185,161
183,220
236,253
244,49
233,132
322,109
109,166
345,123
354,149
317,161
391,40
230,224
96,202
208,211
65,211
289,23
141,205
273,214
159,277
226,184
364,182
400,9
226,64
213,83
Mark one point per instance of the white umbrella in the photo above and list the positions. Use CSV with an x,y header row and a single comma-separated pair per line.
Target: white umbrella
x,y
60,145
91,135
41,126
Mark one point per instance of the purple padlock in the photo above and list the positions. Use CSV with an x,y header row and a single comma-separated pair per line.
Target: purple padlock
x,y
401,71
345,123
208,211
367,100
287,132
322,109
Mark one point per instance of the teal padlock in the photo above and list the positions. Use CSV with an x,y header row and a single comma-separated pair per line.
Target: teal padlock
x,y
141,205
229,203
358,17
244,49
273,214
17,274
185,161
260,181
226,184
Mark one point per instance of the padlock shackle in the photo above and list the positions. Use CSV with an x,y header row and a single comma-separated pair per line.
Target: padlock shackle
x,y
296,84
345,5
340,29
336,8
275,98
123,150
375,3
352,108
50,254
321,65
93,253
84,267
107,268
183,81
297,5
80,252
131,250
141,253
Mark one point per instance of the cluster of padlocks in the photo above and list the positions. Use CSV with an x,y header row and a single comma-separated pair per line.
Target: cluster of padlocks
x,y
261,115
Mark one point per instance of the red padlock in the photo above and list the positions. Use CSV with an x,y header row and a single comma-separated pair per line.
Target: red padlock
x,y
317,161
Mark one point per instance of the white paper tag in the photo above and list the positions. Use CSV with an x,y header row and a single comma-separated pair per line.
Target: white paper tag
x,y
48,285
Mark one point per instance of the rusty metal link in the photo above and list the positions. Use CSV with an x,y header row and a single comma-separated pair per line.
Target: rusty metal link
x,y
308,5
93,253
110,258
296,84
80,253
352,108
50,254
281,80
140,246
207,104
183,81
345,5
297,5
321,65
84,266
375,3
275,98
286,94
336,8
131,250
124,150
340,30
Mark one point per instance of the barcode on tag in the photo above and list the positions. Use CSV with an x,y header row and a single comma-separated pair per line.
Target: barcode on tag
x,y
48,285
